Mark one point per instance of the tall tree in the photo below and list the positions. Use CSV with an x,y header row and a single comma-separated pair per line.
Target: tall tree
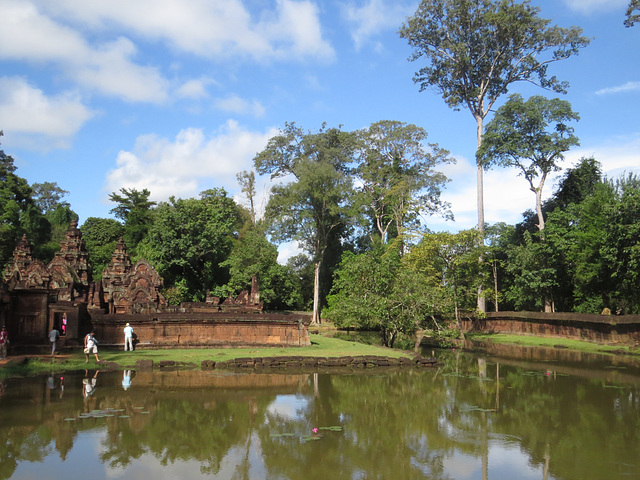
x,y
313,208
576,184
19,214
101,236
380,290
135,209
476,49
532,136
48,196
247,182
188,240
633,13
253,255
397,176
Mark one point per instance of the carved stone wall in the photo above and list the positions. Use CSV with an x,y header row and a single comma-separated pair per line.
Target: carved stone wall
x,y
607,329
197,330
25,272
70,270
128,288
38,297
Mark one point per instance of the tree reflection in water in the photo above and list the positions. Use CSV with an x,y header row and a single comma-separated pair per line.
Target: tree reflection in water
x,y
473,417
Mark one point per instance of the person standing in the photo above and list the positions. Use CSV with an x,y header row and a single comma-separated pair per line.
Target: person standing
x,y
128,338
4,341
91,346
54,335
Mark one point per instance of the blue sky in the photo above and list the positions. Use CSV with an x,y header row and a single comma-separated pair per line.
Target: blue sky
x,y
178,96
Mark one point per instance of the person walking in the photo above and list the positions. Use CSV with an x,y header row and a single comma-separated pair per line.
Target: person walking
x,y
91,346
128,338
54,335
4,341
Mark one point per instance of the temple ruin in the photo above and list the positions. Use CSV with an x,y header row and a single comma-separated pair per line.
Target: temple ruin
x,y
34,298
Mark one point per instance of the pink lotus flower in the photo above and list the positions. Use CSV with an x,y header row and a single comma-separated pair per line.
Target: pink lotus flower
x,y
315,430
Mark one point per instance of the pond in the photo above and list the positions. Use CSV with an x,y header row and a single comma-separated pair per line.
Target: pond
x,y
475,416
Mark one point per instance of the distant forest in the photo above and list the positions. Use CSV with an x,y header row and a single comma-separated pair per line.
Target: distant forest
x,y
355,205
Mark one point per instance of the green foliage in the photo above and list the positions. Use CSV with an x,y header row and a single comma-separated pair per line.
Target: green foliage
x,y
315,207
476,49
136,211
377,290
247,182
450,260
59,218
633,13
173,295
532,136
301,268
315,204
397,177
48,196
253,255
101,236
533,270
190,238
19,214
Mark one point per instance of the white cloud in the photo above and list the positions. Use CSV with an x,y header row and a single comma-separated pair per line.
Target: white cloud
x,y
237,105
590,6
298,30
207,29
287,251
107,68
194,89
27,34
26,111
110,72
616,155
507,195
192,162
374,16
626,87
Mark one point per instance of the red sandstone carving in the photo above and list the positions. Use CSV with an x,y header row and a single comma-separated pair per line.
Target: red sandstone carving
x,y
34,298
130,288
69,268
25,272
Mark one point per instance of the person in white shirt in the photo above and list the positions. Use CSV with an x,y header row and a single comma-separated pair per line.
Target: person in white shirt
x,y
91,346
54,335
128,338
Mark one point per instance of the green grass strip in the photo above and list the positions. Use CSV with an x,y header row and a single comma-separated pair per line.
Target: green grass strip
x,y
320,347
553,342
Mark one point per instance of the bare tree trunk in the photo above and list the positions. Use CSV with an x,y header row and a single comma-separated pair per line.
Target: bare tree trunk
x,y
538,193
418,340
482,307
316,294
548,303
456,310
495,286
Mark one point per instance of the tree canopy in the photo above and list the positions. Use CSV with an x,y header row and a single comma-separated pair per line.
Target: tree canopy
x,y
532,136
134,208
476,49
397,176
19,213
633,13
188,240
313,208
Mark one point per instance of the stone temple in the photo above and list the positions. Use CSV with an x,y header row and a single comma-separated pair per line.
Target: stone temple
x,y
35,298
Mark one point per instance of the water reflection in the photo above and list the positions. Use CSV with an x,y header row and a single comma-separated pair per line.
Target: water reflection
x,y
474,417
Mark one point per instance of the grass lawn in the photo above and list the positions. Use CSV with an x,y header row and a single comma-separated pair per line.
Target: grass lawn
x,y
533,341
320,347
